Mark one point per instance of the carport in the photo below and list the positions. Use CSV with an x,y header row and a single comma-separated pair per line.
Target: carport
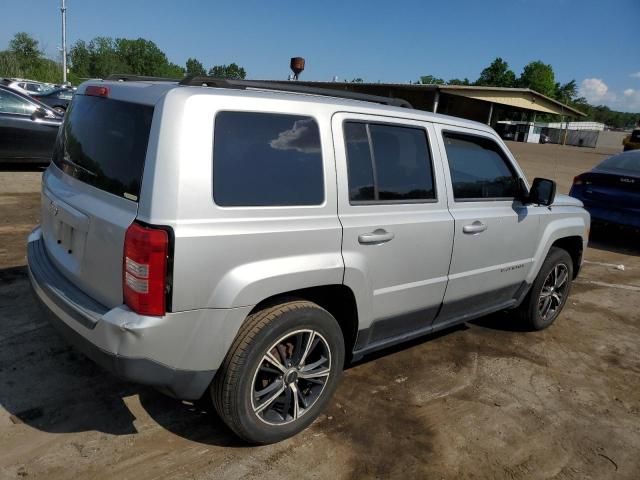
x,y
482,104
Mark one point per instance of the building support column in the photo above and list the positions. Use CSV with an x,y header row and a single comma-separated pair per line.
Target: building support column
x,y
436,101
490,113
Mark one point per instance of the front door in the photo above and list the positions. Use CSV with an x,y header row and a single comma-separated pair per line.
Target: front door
x,y
495,234
397,230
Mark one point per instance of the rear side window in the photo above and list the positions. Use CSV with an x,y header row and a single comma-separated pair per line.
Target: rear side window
x,y
266,159
103,142
10,103
479,168
388,163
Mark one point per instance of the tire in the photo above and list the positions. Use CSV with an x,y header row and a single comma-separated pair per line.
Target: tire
x,y
534,310
284,331
60,110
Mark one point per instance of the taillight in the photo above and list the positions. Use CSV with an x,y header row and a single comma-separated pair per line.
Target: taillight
x,y
97,91
144,269
579,180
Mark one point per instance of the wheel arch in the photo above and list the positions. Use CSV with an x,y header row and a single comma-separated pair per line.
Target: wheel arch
x,y
339,300
573,245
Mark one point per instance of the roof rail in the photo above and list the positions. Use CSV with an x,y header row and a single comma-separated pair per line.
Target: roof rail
x,y
206,81
139,78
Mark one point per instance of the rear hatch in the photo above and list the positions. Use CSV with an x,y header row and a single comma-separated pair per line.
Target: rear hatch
x,y
90,192
613,190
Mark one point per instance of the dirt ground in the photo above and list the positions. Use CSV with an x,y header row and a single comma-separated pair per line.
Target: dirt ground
x,y
483,400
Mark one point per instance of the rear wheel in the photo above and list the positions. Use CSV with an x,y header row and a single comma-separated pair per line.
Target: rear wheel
x,y
280,372
549,292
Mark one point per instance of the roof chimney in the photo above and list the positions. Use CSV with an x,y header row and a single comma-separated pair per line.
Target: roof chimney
x,y
297,66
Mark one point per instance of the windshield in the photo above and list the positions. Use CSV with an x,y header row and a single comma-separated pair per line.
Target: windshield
x,y
103,143
629,162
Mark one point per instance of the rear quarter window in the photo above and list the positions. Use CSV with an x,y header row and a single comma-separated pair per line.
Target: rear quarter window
x,y
266,159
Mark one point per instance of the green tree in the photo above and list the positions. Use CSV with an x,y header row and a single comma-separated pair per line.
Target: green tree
x,y
498,74
357,80
25,48
457,81
538,76
430,80
231,71
194,67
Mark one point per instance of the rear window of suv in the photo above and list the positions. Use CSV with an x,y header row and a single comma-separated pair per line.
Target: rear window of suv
x,y
103,142
266,159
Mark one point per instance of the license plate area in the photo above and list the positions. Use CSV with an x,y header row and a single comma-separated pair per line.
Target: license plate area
x,y
65,232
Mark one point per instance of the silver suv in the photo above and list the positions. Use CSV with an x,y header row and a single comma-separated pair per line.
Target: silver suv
x,y
237,239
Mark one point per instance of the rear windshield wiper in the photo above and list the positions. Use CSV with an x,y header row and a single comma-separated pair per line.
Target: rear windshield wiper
x,y
68,161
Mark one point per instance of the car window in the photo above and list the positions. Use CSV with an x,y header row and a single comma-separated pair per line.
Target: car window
x,y
388,163
10,103
266,159
479,168
626,162
65,95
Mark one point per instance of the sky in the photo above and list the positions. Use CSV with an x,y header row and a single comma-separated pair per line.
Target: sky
x,y
594,42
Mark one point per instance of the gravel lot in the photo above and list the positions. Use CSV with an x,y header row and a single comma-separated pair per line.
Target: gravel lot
x,y
483,400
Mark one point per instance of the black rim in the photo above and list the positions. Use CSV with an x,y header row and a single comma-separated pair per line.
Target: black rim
x,y
291,377
553,292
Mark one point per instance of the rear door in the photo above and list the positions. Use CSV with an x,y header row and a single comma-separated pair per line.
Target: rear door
x,y
397,231
90,192
23,138
495,234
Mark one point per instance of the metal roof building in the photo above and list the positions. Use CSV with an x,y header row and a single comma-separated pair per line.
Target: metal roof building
x,y
483,104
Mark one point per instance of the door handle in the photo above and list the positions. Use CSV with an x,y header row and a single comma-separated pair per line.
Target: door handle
x,y
376,237
475,227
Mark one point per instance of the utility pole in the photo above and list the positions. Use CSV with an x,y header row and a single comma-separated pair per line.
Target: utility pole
x,y
63,9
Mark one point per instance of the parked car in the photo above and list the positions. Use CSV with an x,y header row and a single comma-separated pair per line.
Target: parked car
x,y
28,87
58,99
544,138
632,141
611,190
247,242
28,128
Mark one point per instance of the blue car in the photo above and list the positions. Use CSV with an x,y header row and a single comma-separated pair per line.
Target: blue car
x,y
611,190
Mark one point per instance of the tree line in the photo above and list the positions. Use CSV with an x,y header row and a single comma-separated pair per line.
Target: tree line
x,y
100,58
103,56
540,77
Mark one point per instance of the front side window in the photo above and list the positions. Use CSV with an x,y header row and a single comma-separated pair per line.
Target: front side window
x,y
10,103
266,159
388,163
479,168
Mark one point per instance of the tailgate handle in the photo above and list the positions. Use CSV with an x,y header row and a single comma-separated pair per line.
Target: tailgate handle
x,y
376,237
475,227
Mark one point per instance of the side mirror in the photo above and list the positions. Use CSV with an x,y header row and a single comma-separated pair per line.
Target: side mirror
x,y
543,192
38,114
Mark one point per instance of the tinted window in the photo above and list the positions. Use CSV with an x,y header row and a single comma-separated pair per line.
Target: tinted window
x,y
10,103
478,168
103,143
360,167
628,161
262,159
394,165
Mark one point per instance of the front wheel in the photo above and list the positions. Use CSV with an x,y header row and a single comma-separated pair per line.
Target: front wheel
x,y
549,292
280,372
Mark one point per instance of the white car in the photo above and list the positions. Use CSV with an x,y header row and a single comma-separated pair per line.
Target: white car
x,y
28,86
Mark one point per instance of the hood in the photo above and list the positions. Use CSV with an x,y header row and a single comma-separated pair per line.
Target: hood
x,y
566,201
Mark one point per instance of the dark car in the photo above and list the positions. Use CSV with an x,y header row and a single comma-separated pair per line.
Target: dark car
x,y
58,99
28,128
611,190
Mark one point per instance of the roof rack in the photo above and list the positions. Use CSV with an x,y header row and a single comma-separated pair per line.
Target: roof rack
x,y
139,78
206,81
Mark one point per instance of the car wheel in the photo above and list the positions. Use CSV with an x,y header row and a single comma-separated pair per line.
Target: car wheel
x,y
549,292
280,372
60,110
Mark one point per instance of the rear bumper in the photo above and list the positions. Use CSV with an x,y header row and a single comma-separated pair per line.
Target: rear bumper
x,y
607,214
177,353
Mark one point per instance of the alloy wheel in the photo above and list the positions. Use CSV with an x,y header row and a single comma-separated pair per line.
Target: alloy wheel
x,y
291,377
553,292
